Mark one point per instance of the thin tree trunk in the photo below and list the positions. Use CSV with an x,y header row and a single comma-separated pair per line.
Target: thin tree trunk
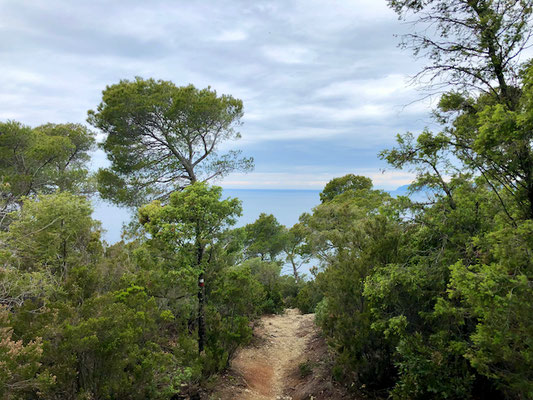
x,y
201,313
294,269
201,293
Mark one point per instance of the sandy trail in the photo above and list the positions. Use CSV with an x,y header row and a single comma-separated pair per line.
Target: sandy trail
x,y
265,367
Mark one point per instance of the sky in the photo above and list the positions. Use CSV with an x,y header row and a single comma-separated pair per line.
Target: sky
x,y
324,85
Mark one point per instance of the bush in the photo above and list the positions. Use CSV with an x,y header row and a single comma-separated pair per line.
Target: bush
x,y
308,297
268,275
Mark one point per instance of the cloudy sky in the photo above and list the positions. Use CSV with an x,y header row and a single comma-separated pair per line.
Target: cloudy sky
x,y
324,86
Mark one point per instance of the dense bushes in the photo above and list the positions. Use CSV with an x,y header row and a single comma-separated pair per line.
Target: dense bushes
x,y
81,320
308,297
433,300
431,306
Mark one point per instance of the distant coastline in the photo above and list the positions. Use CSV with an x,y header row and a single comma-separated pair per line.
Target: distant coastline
x,y
285,204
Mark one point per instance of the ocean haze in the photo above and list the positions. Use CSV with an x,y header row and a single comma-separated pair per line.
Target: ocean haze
x,y
285,204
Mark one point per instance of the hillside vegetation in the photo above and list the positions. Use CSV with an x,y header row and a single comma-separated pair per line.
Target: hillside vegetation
x,y
416,300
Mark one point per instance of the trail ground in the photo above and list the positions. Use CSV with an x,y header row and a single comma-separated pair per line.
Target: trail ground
x,y
287,360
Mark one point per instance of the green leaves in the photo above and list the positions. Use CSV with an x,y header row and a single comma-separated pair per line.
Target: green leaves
x,y
351,235
499,295
45,159
338,186
161,137
264,238
20,372
196,213
54,233
464,292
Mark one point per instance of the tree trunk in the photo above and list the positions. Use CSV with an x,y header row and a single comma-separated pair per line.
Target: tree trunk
x,y
294,269
529,183
201,313
201,293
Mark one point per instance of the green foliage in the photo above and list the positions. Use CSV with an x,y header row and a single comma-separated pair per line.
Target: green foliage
x,y
53,232
308,297
415,300
18,286
351,235
116,336
238,292
113,323
187,230
343,184
451,301
297,252
499,296
161,137
432,369
195,215
268,275
305,368
264,238
82,320
45,159
435,305
21,368
237,299
289,289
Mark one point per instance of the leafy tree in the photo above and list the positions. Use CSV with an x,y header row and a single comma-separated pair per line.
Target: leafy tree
x,y
20,373
455,308
237,298
289,289
499,295
112,345
239,292
104,333
264,238
308,297
189,226
494,141
340,185
17,286
161,137
405,296
296,251
53,233
45,159
267,274
352,235
427,156
483,138
470,44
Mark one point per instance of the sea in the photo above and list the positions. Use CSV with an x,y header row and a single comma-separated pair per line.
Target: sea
x,y
285,205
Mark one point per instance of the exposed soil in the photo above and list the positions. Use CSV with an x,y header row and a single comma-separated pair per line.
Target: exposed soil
x,y
287,360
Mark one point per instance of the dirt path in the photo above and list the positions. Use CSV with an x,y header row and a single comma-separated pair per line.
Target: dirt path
x,y
265,367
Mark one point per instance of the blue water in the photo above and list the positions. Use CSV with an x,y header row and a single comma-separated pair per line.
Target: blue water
x,y
285,205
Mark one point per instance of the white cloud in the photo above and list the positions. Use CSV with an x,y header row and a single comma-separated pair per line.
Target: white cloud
x,y
388,180
232,36
291,133
364,111
367,89
313,74
288,54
